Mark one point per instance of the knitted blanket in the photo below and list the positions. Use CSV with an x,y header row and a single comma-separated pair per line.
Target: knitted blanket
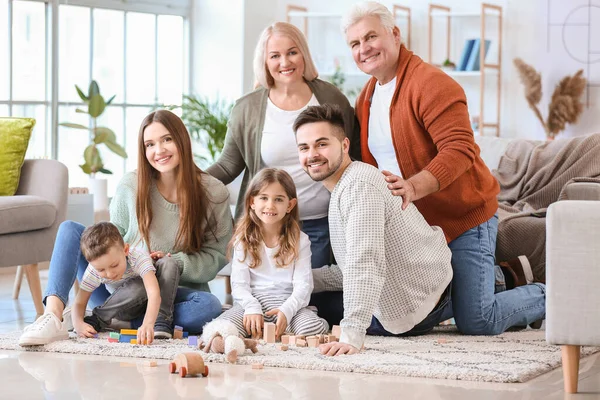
x,y
532,176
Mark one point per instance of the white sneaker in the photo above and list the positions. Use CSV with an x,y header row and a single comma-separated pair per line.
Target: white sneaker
x,y
46,329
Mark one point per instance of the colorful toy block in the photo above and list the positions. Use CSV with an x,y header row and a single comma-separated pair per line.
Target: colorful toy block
x,y
186,334
114,335
127,338
129,332
193,341
133,341
111,340
177,334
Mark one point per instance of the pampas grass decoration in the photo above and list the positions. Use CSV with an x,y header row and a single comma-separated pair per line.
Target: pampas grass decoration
x,y
565,106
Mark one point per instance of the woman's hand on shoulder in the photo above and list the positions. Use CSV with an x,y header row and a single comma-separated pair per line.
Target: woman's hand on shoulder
x,y
400,187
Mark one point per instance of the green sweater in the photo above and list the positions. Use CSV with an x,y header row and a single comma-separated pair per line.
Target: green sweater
x,y
198,268
241,152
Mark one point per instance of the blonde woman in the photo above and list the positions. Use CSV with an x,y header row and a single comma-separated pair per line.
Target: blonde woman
x,y
260,127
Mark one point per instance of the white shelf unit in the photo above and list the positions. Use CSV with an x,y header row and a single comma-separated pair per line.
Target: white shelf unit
x,y
487,70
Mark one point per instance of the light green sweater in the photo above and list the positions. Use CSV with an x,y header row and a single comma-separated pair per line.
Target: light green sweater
x,y
198,268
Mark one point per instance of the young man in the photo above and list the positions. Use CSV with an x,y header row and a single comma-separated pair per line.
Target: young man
x,y
394,269
415,127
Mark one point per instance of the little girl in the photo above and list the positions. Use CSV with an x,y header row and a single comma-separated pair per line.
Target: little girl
x,y
271,275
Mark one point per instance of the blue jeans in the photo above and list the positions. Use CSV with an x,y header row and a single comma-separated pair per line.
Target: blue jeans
x,y
193,308
441,312
320,245
477,309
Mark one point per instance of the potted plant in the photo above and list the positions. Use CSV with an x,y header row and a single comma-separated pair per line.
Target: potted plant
x,y
93,163
448,65
206,122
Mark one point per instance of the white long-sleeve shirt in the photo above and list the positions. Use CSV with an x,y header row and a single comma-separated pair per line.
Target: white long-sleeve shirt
x,y
294,281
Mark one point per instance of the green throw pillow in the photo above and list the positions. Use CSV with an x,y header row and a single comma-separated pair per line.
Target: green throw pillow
x,y
14,138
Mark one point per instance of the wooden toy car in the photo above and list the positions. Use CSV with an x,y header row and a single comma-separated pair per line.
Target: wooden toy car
x,y
188,364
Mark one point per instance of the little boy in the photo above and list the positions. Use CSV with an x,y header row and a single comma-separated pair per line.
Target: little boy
x,y
134,282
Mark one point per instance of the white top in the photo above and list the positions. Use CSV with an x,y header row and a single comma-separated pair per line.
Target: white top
x,y
380,131
279,150
139,263
293,281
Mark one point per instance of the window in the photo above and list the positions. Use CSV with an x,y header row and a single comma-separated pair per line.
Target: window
x,y
134,50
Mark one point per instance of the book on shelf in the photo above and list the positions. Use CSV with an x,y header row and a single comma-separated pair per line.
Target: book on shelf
x,y
473,63
464,57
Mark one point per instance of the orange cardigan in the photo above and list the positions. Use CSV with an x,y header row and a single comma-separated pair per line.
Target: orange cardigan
x,y
431,130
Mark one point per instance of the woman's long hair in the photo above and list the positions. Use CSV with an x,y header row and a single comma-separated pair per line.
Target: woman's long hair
x,y
192,199
248,233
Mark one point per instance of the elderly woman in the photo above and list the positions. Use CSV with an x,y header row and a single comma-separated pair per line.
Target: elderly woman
x,y
260,131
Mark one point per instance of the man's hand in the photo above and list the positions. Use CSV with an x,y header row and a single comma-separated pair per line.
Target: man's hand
x,y
253,324
159,254
145,334
337,348
83,329
281,323
400,187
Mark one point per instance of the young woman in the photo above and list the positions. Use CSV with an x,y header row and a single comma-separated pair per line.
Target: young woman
x,y
168,206
271,277
260,127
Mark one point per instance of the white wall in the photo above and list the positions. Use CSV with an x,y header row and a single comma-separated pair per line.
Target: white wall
x,y
235,25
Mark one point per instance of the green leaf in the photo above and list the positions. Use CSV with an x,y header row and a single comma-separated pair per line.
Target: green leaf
x,y
80,111
94,89
74,126
111,99
97,105
81,95
86,168
105,171
102,134
116,148
91,155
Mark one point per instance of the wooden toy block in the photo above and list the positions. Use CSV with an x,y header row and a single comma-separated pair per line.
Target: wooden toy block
x,y
151,363
442,341
312,341
177,334
321,339
269,332
283,347
330,338
127,338
133,341
188,364
178,328
111,340
132,332
114,335
193,341
336,331
285,339
186,334
292,340
95,336
301,337
258,366
300,343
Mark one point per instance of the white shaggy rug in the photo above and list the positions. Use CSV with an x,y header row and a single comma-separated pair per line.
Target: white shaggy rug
x,y
445,354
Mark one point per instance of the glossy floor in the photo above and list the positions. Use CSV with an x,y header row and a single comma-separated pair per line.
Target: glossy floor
x,y
27,375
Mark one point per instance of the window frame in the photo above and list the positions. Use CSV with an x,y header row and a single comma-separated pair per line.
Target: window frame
x,y
181,8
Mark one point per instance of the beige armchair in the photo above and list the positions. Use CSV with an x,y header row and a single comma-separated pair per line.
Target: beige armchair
x,y
29,221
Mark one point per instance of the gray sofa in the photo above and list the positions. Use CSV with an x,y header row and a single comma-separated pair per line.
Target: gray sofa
x,y
572,256
29,221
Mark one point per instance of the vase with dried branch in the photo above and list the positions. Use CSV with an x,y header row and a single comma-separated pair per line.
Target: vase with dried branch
x,y
565,106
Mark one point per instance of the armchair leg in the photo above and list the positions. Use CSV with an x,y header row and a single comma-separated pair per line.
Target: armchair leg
x,y
18,280
33,278
570,360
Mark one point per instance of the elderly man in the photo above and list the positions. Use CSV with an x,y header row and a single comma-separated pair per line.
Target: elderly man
x,y
415,128
393,267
